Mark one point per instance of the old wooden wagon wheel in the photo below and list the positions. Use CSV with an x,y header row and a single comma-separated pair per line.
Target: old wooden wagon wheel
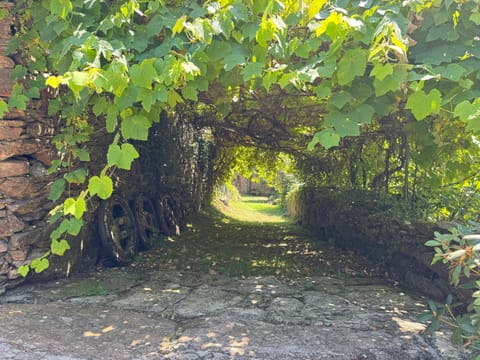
x,y
147,223
117,230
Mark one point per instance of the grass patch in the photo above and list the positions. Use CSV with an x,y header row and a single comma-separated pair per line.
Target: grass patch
x,y
254,209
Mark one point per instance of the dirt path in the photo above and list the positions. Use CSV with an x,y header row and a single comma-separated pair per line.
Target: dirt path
x,y
222,290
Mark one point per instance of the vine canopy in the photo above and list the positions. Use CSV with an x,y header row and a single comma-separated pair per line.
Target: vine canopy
x,y
317,70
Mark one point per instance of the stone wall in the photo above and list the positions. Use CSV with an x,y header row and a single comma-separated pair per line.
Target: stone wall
x,y
368,224
175,160
25,155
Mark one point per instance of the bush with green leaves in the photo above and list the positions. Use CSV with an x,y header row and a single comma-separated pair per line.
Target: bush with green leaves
x,y
460,251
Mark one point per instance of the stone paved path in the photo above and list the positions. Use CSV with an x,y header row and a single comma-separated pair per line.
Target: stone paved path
x,y
223,289
128,313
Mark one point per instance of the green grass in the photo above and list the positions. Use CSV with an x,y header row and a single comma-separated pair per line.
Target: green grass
x,y
254,209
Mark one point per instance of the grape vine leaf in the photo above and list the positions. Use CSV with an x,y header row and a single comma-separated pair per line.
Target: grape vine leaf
x,y
469,113
3,108
75,207
135,127
102,186
23,270
39,264
422,104
121,156
352,64
56,189
327,138
59,247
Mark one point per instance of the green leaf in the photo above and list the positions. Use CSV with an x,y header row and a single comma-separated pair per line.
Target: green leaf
x,y
100,105
71,226
39,265
327,137
75,207
135,127
83,154
322,91
111,119
252,70
390,82
315,7
59,247
380,71
422,104
342,123
77,176
101,186
178,27
54,81
352,64
475,18
121,157
425,317
144,74
3,108
18,99
61,8
433,243
56,190
469,113
190,93
265,33
340,99
23,270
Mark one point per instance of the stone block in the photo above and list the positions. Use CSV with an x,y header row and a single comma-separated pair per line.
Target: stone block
x,y
25,207
14,114
10,225
13,168
5,85
45,156
13,274
18,188
18,255
25,239
10,133
4,268
3,246
10,149
11,123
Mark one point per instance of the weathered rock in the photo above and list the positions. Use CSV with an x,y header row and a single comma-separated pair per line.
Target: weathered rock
x,y
24,239
10,133
3,246
10,225
38,170
18,255
13,274
27,206
18,188
12,123
206,300
45,156
13,168
6,62
10,149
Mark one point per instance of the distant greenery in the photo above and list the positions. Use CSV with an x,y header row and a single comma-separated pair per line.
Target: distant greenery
x,y
256,209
